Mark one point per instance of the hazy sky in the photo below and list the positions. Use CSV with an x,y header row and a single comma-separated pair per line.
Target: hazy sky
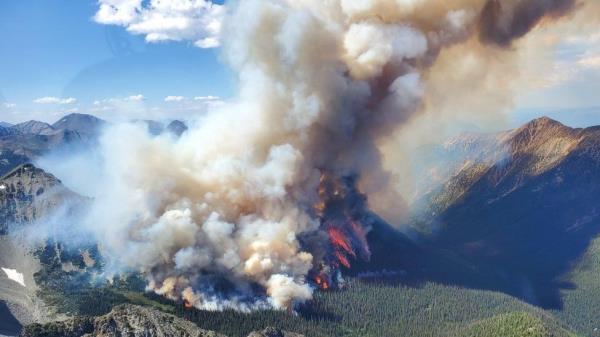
x,y
62,56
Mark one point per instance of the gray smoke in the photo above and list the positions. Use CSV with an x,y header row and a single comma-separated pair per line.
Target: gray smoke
x,y
504,21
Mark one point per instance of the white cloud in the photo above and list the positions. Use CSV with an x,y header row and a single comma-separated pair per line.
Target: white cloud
x,y
136,98
55,100
174,98
206,98
9,105
177,20
117,100
590,61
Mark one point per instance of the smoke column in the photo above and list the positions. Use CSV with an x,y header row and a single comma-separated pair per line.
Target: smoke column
x,y
265,199
503,21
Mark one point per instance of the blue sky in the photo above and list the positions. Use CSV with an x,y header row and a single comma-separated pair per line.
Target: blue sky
x,y
56,57
53,48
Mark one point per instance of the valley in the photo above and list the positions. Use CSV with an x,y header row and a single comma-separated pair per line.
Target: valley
x,y
499,259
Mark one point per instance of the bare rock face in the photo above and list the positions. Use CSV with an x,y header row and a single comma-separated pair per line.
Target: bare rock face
x,y
272,332
123,321
34,127
27,193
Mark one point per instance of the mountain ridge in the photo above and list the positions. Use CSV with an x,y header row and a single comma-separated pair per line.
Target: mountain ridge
x,y
530,215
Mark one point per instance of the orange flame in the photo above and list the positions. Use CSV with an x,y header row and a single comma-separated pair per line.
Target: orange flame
x,y
321,282
342,259
337,206
187,304
339,240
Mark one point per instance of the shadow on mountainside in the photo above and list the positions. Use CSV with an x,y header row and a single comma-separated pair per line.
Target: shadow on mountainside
x,y
517,228
9,325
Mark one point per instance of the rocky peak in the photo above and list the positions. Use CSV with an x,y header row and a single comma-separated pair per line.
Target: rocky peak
x,y
86,125
177,128
541,129
542,143
507,159
27,179
26,193
34,127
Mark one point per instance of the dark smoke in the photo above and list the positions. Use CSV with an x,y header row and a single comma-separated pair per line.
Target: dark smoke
x,y
503,21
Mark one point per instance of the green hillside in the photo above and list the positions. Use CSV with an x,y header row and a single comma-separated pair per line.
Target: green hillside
x,y
374,309
515,324
581,299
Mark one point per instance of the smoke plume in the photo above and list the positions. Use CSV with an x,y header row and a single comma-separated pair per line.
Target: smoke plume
x,y
503,21
266,198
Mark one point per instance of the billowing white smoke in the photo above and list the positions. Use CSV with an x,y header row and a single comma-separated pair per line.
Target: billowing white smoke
x,y
220,210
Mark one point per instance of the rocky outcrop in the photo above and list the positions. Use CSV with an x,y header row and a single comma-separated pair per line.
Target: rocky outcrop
x,y
272,332
34,127
123,321
27,193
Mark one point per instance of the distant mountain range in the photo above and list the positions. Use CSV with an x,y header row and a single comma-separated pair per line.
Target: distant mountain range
x,y
22,143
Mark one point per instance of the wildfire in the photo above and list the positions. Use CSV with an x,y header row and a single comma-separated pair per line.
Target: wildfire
x,y
321,282
340,209
339,240
187,304
342,259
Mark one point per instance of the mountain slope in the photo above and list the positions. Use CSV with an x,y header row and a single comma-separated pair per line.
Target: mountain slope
x,y
530,215
27,193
